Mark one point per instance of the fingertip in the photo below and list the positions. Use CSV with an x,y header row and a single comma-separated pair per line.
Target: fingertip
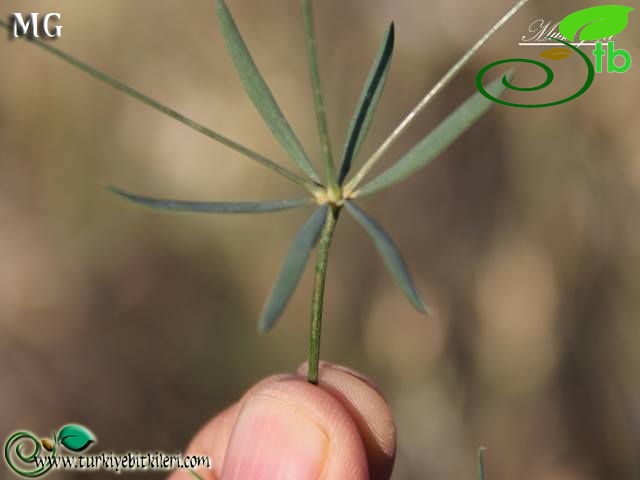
x,y
212,439
342,428
370,411
292,429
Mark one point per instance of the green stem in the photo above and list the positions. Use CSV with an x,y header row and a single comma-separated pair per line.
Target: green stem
x,y
481,463
318,292
118,85
321,116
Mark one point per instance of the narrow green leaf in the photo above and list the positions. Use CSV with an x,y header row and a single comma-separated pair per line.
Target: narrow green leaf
x,y
126,89
352,185
481,463
436,141
292,270
211,207
391,256
259,92
318,98
369,99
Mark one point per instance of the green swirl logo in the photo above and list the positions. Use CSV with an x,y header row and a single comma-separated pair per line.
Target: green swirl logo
x,y
18,461
599,24
74,438
591,74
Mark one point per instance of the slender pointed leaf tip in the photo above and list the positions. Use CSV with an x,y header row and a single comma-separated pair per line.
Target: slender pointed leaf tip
x,y
259,92
210,207
390,255
368,102
150,102
292,269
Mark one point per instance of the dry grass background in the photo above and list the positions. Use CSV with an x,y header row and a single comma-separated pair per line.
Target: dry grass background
x,y
524,238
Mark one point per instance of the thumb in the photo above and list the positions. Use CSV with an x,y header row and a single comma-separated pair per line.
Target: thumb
x,y
291,429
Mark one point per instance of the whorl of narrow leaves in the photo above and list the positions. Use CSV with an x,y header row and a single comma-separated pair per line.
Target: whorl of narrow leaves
x,y
369,99
332,196
259,92
436,141
292,270
390,255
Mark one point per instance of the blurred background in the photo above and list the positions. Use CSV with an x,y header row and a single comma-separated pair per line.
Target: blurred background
x,y
523,237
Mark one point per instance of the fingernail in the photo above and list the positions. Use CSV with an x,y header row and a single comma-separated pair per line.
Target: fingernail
x,y
272,440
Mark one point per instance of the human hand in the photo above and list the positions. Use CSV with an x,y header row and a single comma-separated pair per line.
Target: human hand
x,y
284,428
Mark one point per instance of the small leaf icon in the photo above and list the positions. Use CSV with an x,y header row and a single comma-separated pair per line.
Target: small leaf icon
x,y
75,438
557,53
595,23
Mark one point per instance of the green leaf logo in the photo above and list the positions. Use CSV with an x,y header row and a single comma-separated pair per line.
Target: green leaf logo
x,y
75,438
595,23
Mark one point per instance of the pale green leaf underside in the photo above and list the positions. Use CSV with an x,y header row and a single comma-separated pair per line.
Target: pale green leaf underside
x,y
369,99
259,92
211,207
436,141
391,256
292,270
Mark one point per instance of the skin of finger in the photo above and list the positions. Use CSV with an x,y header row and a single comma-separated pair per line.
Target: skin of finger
x,y
212,439
357,394
370,411
346,457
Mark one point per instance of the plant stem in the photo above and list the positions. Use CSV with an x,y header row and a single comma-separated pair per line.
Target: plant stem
x,y
318,291
481,463
444,81
321,116
118,85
